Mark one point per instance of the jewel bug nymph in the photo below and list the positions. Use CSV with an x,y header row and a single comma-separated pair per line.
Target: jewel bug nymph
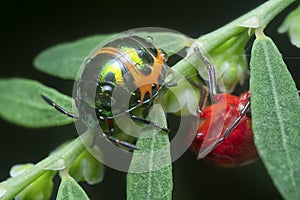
x,y
224,136
125,74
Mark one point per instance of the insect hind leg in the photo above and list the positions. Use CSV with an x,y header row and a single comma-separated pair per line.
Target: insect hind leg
x,y
235,123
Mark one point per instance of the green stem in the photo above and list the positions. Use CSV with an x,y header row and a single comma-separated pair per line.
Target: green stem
x,y
12,186
257,18
264,14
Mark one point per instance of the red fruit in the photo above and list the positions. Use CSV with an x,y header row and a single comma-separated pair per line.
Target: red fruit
x,y
236,149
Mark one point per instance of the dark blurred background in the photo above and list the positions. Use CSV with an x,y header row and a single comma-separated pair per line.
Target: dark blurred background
x,y
28,27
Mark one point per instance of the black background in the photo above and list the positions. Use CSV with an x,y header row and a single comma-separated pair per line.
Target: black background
x,y
30,27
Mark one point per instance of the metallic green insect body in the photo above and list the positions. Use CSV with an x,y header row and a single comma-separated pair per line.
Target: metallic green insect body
x,y
123,75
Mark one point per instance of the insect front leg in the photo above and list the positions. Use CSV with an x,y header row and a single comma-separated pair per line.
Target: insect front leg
x,y
151,123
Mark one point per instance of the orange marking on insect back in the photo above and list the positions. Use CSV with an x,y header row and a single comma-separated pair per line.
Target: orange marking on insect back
x,y
143,82
108,50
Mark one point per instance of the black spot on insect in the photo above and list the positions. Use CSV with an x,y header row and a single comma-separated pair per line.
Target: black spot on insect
x,y
110,77
146,70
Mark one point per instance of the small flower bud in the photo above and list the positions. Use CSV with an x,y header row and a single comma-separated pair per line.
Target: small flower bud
x,y
291,25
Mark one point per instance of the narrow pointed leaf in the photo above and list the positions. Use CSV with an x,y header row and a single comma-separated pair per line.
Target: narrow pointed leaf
x,y
64,60
150,172
275,110
70,189
170,42
22,104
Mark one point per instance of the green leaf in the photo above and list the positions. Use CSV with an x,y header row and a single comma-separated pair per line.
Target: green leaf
x,y
170,42
14,185
150,171
275,110
289,20
291,25
70,189
21,103
64,60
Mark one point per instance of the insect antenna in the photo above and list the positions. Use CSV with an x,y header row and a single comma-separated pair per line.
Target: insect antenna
x,y
120,142
59,108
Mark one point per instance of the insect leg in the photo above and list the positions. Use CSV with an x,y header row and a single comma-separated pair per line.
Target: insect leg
x,y
151,123
109,137
213,92
203,92
114,140
141,120
170,84
59,108
235,123
120,142
145,112
244,112
212,85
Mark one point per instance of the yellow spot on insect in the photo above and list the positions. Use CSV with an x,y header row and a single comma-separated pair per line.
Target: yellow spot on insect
x,y
115,69
132,54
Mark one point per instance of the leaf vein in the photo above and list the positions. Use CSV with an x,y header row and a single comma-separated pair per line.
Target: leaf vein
x,y
279,117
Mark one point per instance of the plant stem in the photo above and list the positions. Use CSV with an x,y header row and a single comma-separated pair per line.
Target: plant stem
x,y
257,18
264,14
66,155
